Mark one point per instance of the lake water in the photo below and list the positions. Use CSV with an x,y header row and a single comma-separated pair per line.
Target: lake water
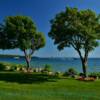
x,y
58,64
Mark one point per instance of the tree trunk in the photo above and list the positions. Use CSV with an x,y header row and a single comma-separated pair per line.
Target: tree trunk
x,y
84,66
27,58
28,62
84,63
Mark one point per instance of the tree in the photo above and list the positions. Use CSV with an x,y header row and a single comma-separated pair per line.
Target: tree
x,y
4,41
77,29
20,32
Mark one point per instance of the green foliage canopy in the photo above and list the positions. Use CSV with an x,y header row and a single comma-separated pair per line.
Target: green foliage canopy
x,y
20,32
78,29
75,28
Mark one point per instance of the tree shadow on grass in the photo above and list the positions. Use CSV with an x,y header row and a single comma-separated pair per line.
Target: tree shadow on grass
x,y
26,78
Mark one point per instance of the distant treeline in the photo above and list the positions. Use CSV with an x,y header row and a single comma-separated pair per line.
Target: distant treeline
x,y
7,55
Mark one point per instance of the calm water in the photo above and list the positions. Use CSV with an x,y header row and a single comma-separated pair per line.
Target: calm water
x,y
58,64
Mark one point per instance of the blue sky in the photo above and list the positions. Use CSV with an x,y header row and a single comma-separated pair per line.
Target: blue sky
x,y
42,11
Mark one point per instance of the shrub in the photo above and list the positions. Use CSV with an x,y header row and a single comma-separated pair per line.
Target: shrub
x,y
47,68
58,74
94,74
2,67
70,72
82,75
13,68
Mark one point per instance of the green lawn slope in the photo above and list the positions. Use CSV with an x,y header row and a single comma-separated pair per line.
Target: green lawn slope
x,y
53,89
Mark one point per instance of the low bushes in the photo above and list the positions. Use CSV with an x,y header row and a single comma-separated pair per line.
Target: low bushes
x,y
47,68
95,74
91,76
2,67
70,72
10,67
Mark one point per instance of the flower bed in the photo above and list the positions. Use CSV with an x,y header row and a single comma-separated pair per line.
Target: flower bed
x,y
86,79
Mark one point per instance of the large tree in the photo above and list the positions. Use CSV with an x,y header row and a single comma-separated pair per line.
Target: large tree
x,y
20,32
78,29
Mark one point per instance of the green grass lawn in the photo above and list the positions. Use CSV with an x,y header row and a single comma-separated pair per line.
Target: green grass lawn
x,y
57,89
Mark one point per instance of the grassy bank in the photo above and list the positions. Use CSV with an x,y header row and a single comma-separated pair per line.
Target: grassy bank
x,y
47,89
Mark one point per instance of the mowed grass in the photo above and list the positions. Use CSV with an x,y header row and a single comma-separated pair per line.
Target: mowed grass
x,y
57,89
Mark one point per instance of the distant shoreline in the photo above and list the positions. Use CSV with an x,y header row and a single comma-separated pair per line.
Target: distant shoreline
x,y
9,55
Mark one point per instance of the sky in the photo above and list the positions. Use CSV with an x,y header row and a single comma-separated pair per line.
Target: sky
x,y
41,12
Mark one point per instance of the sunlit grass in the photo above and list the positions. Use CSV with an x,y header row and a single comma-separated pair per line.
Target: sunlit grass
x,y
61,89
